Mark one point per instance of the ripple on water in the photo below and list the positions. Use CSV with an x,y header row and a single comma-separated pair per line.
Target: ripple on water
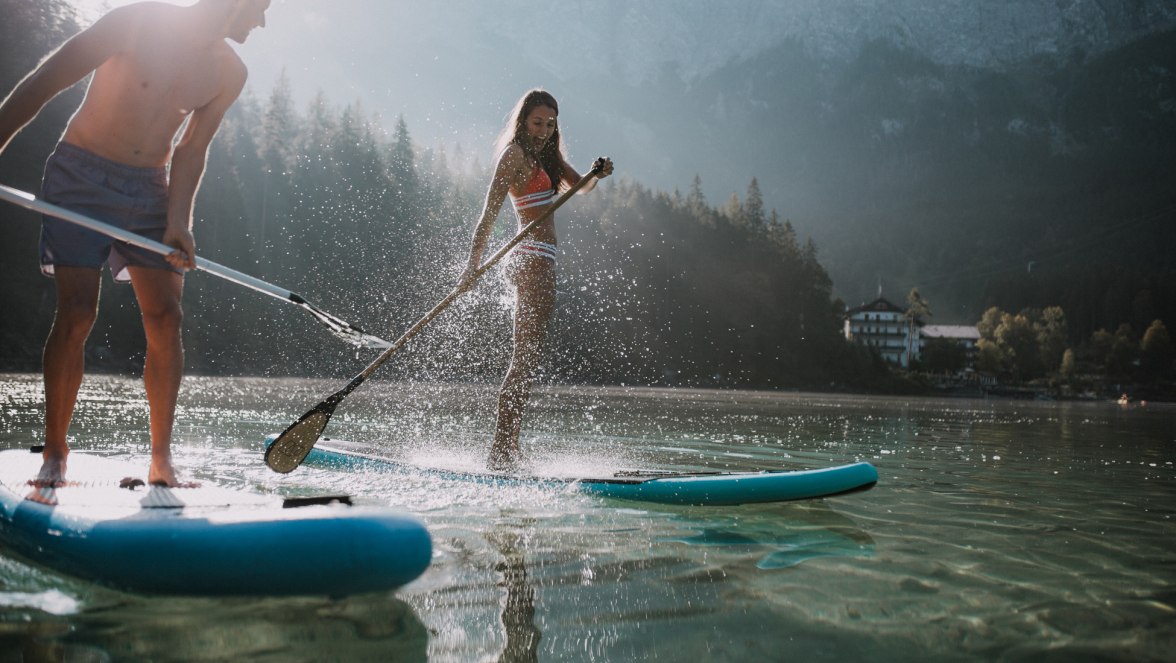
x,y
998,531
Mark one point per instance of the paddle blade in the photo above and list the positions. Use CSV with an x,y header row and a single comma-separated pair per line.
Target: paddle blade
x,y
342,329
290,448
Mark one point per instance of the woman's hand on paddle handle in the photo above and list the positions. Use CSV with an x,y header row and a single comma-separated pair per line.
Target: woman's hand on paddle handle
x,y
602,167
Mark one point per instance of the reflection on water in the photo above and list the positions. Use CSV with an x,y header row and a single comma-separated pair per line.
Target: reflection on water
x,y
998,530
518,607
800,533
118,627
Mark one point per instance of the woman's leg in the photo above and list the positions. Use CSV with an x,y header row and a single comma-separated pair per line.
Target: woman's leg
x,y
534,280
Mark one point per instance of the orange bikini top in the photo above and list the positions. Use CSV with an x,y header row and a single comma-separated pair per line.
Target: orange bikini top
x,y
537,193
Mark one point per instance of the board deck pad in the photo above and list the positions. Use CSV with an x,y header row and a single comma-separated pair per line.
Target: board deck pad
x,y
704,488
99,480
205,540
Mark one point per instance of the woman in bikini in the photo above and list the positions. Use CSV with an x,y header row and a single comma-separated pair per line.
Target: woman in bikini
x,y
532,167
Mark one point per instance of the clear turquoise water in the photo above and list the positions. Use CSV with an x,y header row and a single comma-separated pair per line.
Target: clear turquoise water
x,y
1010,531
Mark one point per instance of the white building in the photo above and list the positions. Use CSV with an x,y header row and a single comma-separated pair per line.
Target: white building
x,y
883,326
965,335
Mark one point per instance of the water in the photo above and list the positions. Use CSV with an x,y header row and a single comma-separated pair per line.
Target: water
x,y
1011,531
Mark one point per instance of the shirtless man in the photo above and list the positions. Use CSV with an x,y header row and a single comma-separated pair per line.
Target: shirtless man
x,y
156,66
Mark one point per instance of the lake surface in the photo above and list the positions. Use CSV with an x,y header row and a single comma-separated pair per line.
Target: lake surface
x,y
999,530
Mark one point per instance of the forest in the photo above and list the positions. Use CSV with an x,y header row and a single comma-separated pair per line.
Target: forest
x,y
656,288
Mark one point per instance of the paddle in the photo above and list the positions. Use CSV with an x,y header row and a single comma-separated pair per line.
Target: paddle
x,y
340,328
289,449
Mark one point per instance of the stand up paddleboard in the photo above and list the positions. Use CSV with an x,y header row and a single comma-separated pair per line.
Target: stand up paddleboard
x,y
692,488
203,541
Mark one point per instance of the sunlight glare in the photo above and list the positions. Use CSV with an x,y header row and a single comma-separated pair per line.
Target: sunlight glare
x,y
89,10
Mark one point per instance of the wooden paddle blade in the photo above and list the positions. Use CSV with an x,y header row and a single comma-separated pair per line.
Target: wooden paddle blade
x,y
290,448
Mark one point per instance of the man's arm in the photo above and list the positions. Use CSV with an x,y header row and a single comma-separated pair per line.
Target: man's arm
x,y
76,58
188,162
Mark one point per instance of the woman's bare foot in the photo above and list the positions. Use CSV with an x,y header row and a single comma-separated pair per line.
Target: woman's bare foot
x,y
504,460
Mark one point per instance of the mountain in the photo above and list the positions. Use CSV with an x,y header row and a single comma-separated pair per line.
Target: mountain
x,y
930,144
697,37
903,168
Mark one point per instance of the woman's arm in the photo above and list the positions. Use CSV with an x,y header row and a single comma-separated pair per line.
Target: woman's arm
x,y
507,173
571,177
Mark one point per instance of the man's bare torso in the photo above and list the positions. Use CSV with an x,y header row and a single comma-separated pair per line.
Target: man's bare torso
x,y
140,97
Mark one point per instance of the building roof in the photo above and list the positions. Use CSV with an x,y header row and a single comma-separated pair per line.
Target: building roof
x,y
951,331
880,304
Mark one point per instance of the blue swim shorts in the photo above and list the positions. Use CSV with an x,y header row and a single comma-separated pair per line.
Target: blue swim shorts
x,y
128,197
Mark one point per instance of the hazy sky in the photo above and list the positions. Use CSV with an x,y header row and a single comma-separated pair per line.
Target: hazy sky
x,y
625,72
396,58
454,70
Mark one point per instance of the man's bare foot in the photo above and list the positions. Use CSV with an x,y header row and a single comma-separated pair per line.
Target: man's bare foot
x,y
163,474
43,494
52,474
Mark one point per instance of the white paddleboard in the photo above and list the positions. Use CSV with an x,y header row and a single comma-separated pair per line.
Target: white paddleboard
x,y
208,540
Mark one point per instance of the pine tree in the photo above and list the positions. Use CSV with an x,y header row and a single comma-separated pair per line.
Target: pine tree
x,y
1069,366
917,309
1051,337
1124,352
753,207
733,211
1156,352
278,147
402,168
695,200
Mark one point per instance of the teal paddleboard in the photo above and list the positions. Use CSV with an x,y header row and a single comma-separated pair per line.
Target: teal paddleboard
x,y
693,488
204,541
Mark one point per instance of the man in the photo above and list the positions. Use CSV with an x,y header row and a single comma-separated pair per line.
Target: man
x,y
158,69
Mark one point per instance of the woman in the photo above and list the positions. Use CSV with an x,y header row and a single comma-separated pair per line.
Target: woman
x,y
531,168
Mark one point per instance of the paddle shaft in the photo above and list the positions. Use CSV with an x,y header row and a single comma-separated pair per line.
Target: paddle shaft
x,y
458,291
29,201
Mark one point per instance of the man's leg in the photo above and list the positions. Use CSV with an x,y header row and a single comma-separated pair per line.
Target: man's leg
x,y
159,292
64,363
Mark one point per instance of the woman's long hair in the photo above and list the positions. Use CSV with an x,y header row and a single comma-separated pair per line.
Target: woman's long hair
x,y
551,156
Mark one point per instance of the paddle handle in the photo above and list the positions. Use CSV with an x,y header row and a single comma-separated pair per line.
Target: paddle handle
x,y
463,287
341,328
29,201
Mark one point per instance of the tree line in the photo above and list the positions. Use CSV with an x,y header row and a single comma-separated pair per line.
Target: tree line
x,y
1039,346
655,287
1032,345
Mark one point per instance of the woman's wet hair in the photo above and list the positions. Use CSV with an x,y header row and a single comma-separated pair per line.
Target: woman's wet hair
x,y
551,156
